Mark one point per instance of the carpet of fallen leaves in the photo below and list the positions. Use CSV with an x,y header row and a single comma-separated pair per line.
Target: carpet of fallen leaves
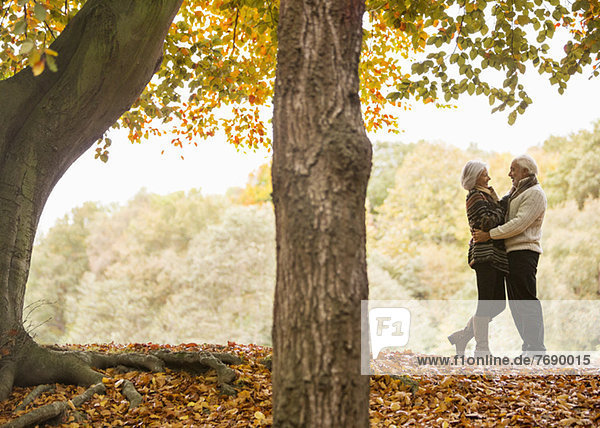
x,y
177,399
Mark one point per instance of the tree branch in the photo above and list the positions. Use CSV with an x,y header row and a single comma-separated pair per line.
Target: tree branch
x,y
106,56
237,14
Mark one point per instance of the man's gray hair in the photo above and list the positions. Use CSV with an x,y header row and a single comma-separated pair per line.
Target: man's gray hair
x,y
527,162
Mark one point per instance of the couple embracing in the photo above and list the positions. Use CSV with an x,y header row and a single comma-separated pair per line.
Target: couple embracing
x,y
505,248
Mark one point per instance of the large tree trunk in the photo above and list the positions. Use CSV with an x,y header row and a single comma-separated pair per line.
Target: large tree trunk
x,y
107,55
321,165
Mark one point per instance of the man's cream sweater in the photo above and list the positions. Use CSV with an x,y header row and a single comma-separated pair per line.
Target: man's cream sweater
x,y
523,230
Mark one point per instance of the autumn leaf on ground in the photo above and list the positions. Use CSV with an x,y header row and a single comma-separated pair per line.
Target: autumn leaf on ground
x,y
179,399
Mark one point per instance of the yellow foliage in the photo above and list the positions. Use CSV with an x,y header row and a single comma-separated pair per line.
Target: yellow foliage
x,y
218,70
258,188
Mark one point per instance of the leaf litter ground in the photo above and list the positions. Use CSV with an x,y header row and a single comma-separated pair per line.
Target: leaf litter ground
x,y
179,399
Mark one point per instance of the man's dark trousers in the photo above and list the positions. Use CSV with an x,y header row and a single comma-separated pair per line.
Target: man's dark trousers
x,y
524,305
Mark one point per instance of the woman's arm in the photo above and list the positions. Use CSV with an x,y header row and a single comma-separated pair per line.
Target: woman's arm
x,y
483,214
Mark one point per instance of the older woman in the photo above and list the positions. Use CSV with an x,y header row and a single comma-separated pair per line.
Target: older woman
x,y
488,259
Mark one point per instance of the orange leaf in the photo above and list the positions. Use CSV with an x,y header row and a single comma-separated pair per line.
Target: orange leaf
x,y
38,67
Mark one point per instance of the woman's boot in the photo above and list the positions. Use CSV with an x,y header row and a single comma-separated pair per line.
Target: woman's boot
x,y
480,330
461,338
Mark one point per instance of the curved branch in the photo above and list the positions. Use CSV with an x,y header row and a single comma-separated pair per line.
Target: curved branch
x,y
106,56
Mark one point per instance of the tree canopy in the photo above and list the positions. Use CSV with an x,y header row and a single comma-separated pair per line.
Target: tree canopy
x,y
220,59
494,41
219,69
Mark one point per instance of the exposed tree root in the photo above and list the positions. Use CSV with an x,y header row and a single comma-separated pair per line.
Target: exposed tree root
x,y
132,360
39,365
411,383
200,362
54,410
7,378
37,391
229,359
267,362
129,391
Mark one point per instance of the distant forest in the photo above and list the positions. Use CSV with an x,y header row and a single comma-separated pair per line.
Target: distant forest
x,y
186,267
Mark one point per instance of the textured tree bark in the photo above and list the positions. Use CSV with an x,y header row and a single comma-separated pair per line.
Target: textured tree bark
x,y
321,165
107,55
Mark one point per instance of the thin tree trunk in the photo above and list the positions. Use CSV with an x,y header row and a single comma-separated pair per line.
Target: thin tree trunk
x,y
321,165
106,56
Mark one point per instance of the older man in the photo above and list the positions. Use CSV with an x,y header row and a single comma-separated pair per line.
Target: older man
x,y
522,233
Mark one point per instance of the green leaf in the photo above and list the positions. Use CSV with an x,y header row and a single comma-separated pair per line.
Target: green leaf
x,y
512,117
393,96
541,37
20,27
51,62
26,47
39,11
556,14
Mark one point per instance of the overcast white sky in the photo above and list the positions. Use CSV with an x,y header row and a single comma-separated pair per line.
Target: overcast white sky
x,y
214,165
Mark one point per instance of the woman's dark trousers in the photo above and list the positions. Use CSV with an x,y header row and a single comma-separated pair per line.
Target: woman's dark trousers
x,y
490,290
